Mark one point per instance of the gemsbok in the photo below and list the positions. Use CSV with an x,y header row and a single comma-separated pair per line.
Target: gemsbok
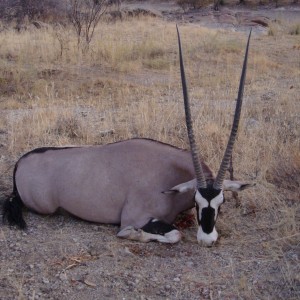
x,y
140,184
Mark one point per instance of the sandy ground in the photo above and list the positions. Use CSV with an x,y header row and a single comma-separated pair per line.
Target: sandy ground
x,y
61,257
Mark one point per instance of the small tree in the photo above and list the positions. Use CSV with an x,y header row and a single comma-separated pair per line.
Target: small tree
x,y
31,10
216,5
197,3
85,16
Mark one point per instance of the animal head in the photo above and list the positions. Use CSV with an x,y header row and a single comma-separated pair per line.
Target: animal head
x,y
209,193
208,201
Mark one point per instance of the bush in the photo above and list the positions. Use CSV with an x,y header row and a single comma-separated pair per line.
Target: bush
x,y
186,4
295,30
31,9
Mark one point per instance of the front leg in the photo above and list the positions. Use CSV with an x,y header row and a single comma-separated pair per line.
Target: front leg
x,y
154,230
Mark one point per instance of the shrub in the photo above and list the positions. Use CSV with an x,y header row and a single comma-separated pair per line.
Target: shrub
x,y
85,16
32,10
295,30
186,4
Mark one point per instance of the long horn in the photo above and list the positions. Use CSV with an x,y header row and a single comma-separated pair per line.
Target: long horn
x,y
226,159
201,182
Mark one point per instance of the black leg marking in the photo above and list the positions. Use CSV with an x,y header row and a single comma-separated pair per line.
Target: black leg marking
x,y
158,227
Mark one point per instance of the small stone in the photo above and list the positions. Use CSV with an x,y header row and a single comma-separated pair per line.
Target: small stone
x,y
63,277
176,279
93,251
251,124
190,264
295,257
80,287
127,251
45,280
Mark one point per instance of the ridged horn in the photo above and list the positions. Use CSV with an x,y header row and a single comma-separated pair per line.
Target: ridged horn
x,y
201,182
226,158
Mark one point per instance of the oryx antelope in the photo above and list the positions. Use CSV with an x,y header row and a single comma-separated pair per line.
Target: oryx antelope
x,y
140,184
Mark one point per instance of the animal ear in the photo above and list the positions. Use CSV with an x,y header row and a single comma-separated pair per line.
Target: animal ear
x,y
183,187
235,186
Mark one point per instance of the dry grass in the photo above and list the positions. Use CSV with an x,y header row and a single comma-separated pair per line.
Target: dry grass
x,y
128,85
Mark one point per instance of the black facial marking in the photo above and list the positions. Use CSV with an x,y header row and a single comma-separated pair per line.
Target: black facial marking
x,y
209,193
207,219
158,227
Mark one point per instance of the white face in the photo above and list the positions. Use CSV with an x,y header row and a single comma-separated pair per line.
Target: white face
x,y
207,216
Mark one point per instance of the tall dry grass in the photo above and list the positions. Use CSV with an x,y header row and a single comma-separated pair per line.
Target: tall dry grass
x,y
128,85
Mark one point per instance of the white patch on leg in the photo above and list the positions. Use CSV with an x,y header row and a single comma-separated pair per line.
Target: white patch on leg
x,y
125,232
130,233
172,237
133,234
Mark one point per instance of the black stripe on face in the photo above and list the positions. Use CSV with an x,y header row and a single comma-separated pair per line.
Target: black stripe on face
x,y
208,219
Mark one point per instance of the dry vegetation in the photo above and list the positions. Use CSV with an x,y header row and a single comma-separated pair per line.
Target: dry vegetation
x,y
128,85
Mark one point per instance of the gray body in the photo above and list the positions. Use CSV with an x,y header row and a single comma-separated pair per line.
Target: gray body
x,y
119,183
